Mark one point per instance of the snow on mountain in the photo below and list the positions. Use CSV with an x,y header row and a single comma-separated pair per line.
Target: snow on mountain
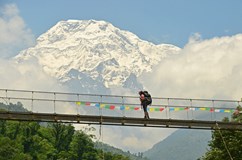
x,y
88,52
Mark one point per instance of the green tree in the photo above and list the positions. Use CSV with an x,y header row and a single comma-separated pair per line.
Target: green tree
x,y
82,147
42,148
11,150
28,131
30,140
226,143
12,129
3,127
61,135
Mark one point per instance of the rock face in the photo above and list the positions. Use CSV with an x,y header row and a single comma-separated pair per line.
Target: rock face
x,y
95,55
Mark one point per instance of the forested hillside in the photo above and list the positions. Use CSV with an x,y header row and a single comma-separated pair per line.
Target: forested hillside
x,y
54,141
108,148
13,107
30,140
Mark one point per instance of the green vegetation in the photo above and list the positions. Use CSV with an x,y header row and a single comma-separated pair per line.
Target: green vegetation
x,y
31,141
52,141
226,144
13,107
107,148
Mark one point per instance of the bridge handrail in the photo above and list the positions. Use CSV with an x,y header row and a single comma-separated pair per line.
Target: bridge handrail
x,y
122,96
114,103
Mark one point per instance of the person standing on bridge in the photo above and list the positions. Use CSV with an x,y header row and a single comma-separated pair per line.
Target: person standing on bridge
x,y
145,99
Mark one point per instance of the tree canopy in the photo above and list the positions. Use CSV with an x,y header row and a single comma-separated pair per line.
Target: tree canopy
x,y
56,141
226,144
52,141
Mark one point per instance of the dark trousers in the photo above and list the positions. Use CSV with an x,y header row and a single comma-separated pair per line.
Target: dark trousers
x,y
145,105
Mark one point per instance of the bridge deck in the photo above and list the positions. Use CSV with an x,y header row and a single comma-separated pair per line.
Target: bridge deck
x,y
119,121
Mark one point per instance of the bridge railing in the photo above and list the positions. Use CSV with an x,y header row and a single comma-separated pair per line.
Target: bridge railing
x,y
118,105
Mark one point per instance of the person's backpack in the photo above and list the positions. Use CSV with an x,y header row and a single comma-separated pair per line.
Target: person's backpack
x,y
148,97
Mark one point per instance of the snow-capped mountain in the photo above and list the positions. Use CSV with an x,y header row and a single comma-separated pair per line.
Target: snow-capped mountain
x,y
95,54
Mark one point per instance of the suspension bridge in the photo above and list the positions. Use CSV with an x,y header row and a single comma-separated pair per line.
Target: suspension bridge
x,y
118,110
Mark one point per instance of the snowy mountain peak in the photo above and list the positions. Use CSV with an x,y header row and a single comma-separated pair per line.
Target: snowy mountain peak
x,y
76,30
97,50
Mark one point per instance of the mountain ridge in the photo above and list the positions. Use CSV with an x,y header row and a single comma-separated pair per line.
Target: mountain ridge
x,y
97,50
182,144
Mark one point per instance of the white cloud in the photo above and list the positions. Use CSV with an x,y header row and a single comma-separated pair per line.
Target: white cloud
x,y
25,76
30,76
204,69
15,36
134,139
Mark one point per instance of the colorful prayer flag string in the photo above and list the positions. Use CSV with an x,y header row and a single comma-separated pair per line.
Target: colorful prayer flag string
x,y
152,109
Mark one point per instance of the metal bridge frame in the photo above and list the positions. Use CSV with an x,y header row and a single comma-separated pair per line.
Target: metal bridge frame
x,y
120,121
108,120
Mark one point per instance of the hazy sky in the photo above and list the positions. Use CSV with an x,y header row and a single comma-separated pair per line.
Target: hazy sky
x,y
158,21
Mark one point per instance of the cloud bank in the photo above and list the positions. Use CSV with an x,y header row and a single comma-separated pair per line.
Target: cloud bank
x,y
15,35
28,76
134,139
204,69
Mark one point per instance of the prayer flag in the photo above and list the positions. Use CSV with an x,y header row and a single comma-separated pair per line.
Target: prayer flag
x,y
112,107
227,111
136,108
93,104
122,108
102,105
157,109
211,109
177,109
107,106
151,109
131,108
